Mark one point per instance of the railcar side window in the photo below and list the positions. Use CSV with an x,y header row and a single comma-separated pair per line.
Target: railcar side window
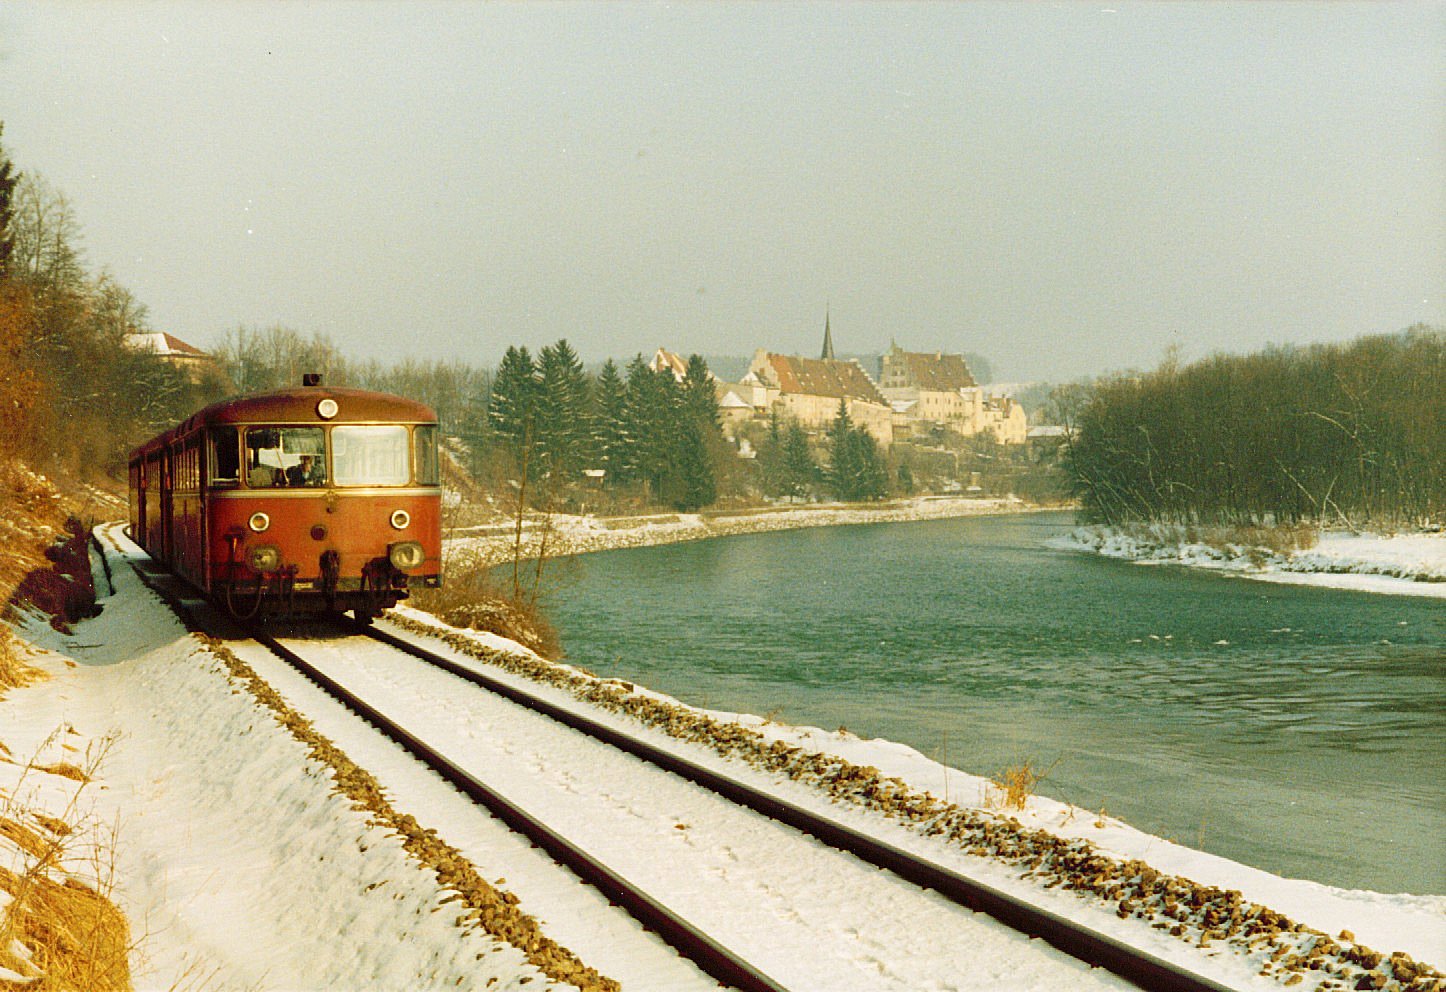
x,y
370,455
225,457
425,440
285,456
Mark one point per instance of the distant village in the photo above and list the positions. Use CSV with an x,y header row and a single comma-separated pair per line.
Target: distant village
x,y
913,393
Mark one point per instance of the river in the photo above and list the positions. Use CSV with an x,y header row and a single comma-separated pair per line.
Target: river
x,y
1292,728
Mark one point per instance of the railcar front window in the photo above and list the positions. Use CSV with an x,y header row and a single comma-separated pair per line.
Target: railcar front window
x,y
425,440
370,455
285,456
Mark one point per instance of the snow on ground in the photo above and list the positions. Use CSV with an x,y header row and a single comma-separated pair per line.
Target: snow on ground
x,y
237,864
240,867
1415,924
1388,922
1402,564
808,916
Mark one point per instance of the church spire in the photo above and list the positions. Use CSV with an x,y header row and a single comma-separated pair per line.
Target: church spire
x,y
827,337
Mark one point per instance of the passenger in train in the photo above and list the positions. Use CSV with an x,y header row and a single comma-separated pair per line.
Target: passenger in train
x,y
263,476
305,472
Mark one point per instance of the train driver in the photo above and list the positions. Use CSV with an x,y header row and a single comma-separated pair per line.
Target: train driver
x,y
304,473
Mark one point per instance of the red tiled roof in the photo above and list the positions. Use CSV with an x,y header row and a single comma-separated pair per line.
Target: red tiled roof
x,y
824,377
175,346
937,372
672,361
162,343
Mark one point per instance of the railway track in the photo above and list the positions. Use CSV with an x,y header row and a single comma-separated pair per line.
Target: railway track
x,y
711,956
1078,941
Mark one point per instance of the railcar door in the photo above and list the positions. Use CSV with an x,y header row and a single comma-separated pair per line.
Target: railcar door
x,y
222,471
138,500
151,529
168,507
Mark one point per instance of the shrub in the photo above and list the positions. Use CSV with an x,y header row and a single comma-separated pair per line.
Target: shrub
x,y
473,598
1012,787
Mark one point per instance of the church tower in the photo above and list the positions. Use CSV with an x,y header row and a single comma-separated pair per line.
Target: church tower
x,y
827,338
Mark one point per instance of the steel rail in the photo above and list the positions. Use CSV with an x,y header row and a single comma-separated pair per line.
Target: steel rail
x,y
1079,941
709,955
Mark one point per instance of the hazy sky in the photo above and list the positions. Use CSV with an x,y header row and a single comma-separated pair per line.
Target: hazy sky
x,y
1064,189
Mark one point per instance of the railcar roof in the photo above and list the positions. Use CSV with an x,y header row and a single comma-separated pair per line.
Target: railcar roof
x,y
297,405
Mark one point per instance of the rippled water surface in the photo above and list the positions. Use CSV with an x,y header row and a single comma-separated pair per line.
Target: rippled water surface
x,y
1297,729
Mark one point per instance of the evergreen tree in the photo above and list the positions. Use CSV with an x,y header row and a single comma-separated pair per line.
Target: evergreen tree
x,y
512,407
699,394
563,430
770,457
653,401
800,471
856,472
610,429
690,476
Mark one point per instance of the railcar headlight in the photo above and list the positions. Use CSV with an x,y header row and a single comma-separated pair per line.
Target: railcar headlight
x,y
259,522
264,558
406,555
326,409
400,519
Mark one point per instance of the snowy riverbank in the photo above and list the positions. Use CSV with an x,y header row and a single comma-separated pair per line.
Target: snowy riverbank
x,y
569,535
1401,564
230,830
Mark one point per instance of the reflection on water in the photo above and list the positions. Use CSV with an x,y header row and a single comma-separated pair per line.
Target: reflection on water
x,y
1294,728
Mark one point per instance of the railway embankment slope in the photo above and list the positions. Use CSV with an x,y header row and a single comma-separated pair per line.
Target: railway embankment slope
x,y
59,925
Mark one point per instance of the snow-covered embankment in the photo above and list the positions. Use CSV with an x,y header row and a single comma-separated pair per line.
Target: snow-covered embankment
x,y
1403,564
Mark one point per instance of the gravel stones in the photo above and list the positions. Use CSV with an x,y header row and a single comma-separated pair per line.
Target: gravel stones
x,y
1192,912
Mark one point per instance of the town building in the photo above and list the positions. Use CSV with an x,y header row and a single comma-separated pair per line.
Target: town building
x,y
172,350
934,389
810,390
670,361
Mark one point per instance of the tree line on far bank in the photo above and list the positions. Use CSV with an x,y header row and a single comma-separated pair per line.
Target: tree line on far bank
x,y
1335,433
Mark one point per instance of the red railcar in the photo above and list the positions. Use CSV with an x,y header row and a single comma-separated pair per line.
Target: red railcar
x,y
300,500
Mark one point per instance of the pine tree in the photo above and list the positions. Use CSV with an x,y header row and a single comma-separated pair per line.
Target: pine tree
x,y
800,471
699,394
610,430
647,422
690,475
563,430
857,472
512,407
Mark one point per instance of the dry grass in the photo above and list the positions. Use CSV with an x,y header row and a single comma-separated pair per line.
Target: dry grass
x,y
59,932
14,673
1258,540
23,837
32,514
475,598
1012,787
1282,538
78,940
65,770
